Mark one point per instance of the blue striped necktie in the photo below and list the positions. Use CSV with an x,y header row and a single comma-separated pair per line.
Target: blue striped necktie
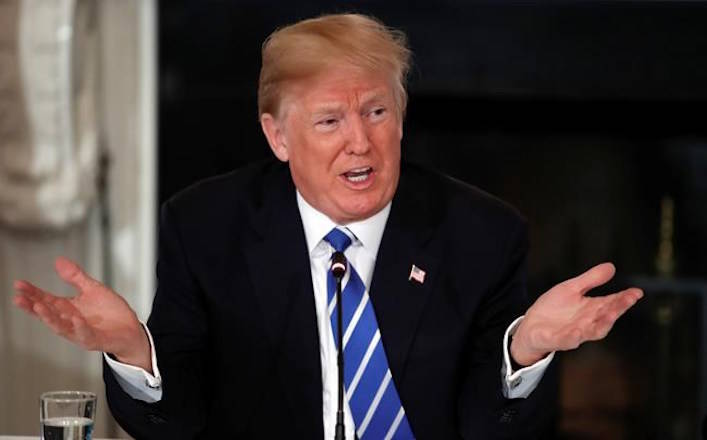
x,y
370,391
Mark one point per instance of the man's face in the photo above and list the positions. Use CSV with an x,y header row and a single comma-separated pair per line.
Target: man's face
x,y
340,131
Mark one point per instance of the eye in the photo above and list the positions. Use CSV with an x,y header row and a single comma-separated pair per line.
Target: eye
x,y
327,124
377,113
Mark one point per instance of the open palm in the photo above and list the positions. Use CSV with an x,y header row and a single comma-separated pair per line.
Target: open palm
x,y
96,318
564,317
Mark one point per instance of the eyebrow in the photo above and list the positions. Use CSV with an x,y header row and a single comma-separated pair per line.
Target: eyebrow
x,y
327,108
373,98
333,107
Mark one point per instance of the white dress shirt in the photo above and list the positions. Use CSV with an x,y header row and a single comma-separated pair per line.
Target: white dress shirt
x,y
366,237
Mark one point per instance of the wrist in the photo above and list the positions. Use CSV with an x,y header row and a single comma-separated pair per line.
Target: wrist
x,y
522,356
138,352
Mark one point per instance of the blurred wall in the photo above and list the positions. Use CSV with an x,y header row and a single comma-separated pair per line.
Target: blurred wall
x,y
114,241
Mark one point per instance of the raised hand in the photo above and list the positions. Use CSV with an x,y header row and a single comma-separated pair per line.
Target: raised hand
x,y
563,317
96,318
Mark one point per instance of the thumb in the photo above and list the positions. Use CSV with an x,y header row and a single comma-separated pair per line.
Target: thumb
x,y
594,277
73,274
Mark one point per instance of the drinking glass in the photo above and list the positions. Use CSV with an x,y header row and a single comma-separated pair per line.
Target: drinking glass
x,y
67,415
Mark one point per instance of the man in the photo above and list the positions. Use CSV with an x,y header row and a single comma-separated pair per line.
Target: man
x,y
241,342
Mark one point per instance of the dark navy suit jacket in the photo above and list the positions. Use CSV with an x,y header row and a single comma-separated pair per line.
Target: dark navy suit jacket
x,y
235,327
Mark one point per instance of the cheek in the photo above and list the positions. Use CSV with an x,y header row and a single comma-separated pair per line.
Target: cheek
x,y
316,158
328,150
389,146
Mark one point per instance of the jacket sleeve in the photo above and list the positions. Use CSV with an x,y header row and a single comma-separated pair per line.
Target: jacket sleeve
x,y
484,412
178,325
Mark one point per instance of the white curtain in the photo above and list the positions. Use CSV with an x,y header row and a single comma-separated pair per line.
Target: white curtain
x,y
76,84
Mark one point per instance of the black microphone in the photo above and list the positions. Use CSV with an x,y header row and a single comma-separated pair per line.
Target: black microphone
x,y
338,269
338,265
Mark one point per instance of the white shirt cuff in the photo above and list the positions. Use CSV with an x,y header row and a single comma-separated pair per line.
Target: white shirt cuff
x,y
136,382
519,384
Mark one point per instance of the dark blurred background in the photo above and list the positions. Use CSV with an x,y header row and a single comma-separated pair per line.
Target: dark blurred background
x,y
587,116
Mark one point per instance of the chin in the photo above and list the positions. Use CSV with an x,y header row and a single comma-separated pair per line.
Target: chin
x,y
355,207
360,212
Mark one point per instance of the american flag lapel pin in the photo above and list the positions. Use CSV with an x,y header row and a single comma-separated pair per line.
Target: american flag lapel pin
x,y
417,274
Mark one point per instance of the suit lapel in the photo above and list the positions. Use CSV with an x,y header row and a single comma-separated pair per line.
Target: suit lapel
x,y
279,267
399,301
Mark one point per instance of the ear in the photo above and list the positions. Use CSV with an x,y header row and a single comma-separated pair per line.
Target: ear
x,y
273,130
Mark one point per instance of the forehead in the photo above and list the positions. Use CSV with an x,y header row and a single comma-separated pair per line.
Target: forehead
x,y
338,86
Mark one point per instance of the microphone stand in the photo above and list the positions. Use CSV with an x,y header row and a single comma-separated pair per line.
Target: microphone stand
x,y
338,269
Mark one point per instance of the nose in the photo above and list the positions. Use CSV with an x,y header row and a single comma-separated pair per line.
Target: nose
x,y
358,140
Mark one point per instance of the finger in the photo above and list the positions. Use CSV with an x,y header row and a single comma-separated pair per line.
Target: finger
x,y
27,296
83,333
600,329
609,313
30,294
604,323
45,311
34,293
618,303
594,277
51,319
73,274
28,289
24,303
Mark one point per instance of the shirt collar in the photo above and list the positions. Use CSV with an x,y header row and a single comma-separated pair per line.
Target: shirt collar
x,y
316,225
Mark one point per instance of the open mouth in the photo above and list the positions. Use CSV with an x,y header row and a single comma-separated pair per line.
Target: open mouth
x,y
358,175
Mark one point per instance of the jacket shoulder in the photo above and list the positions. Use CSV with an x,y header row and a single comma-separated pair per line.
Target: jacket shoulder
x,y
229,197
240,185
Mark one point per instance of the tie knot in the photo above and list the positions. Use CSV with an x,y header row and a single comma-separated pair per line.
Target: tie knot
x,y
338,239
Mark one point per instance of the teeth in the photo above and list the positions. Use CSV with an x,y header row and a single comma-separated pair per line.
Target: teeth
x,y
358,174
360,178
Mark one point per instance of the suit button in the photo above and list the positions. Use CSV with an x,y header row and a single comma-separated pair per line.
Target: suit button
x,y
507,416
154,418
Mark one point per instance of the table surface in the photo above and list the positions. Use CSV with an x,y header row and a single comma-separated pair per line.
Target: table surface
x,y
25,437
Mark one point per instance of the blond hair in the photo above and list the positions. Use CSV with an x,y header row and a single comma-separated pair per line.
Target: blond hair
x,y
309,47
